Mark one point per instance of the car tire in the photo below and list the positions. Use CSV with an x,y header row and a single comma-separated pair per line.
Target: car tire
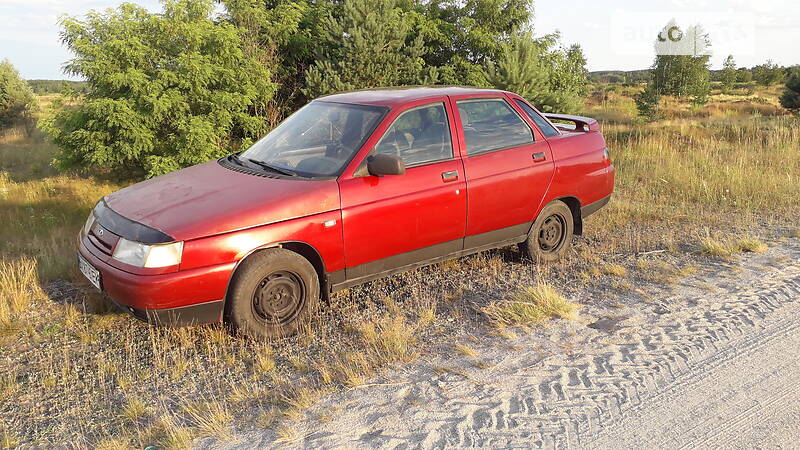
x,y
272,294
551,234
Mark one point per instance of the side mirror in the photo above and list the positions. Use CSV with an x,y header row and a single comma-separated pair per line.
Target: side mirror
x,y
381,164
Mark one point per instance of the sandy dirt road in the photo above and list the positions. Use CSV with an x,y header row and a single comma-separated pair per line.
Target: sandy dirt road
x,y
714,362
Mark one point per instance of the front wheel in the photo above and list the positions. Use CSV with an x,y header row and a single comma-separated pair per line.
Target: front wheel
x,y
273,292
551,234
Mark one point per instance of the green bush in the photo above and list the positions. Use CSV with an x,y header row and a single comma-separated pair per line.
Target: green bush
x,y
791,95
166,90
17,101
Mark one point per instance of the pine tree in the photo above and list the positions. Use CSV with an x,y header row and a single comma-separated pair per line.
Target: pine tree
x,y
768,73
368,45
165,90
728,76
537,69
791,94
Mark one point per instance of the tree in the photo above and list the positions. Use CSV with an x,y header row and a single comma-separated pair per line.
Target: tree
x,y
165,90
768,73
648,103
463,35
683,75
17,102
744,75
369,45
791,94
728,76
551,78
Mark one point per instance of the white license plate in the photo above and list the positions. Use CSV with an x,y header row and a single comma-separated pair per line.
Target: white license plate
x,y
91,274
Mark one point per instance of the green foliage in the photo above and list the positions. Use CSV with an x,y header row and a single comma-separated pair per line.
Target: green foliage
x,y
683,75
17,101
552,78
768,73
368,45
166,90
44,87
648,103
462,36
791,94
728,75
744,75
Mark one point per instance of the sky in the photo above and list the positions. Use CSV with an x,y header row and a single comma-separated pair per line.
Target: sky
x,y
614,34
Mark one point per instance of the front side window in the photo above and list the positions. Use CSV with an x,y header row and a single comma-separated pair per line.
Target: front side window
x,y
418,136
547,129
491,124
317,140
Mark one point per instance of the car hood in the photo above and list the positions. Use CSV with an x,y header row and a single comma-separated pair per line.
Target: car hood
x,y
209,199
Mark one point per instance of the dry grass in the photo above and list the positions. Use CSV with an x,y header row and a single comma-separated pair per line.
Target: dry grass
x,y
19,286
751,245
794,233
466,350
530,306
616,270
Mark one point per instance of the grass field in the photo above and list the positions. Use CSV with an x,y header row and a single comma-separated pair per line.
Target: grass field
x,y
710,181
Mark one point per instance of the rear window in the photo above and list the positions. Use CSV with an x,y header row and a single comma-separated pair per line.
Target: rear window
x,y
547,129
492,124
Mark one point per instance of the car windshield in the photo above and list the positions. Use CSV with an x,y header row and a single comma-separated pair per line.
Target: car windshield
x,y
317,140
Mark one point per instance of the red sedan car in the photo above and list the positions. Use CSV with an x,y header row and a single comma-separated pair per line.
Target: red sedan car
x,y
350,188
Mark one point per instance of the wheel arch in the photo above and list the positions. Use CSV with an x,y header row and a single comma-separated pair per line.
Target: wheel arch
x,y
575,207
303,249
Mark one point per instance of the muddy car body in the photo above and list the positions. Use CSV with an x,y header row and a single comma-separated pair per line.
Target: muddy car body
x,y
352,187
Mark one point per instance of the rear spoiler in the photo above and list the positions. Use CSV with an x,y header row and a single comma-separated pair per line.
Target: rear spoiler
x,y
581,123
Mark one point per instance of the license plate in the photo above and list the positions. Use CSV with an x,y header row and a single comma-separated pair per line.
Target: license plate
x,y
91,274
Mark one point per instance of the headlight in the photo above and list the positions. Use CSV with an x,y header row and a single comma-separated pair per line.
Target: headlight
x,y
145,255
89,222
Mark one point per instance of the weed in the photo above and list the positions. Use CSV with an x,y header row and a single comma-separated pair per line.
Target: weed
x,y
466,350
531,305
752,245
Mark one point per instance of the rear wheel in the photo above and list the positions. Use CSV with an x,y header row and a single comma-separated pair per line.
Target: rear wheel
x,y
272,294
551,235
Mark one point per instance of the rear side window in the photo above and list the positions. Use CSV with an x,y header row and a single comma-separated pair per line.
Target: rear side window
x,y
547,129
491,124
418,136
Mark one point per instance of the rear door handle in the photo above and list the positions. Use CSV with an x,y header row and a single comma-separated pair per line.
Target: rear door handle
x,y
538,157
450,176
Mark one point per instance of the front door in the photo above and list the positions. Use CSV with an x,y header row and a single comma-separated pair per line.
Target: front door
x,y
395,221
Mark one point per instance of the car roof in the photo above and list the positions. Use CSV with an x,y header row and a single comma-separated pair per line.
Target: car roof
x,y
398,96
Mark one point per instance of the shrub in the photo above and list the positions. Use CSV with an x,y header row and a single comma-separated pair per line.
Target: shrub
x,y
165,90
17,101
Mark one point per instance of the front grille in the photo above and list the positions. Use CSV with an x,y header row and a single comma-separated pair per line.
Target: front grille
x,y
102,239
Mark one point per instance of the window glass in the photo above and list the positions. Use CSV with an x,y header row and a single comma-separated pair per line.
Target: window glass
x,y
491,124
547,129
418,136
318,139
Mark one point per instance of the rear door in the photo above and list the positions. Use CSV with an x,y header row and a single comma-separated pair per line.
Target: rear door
x,y
508,167
394,221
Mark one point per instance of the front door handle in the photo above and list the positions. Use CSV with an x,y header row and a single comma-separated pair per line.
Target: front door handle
x,y
450,176
539,157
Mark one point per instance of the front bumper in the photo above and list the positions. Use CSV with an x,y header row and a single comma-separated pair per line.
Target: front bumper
x,y
179,298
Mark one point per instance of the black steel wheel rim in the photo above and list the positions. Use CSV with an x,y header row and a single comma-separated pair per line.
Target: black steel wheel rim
x,y
279,297
552,233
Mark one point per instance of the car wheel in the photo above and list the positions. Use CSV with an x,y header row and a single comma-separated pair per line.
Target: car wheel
x,y
551,233
273,292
